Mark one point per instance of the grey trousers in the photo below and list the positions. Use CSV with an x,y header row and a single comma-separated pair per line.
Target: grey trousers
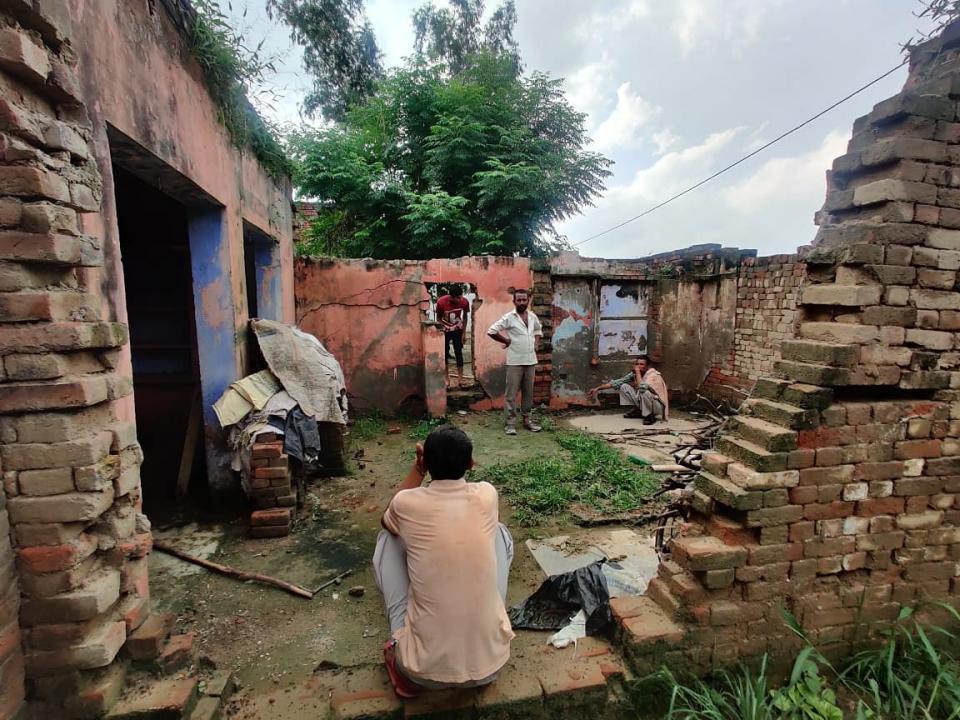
x,y
645,399
393,581
519,379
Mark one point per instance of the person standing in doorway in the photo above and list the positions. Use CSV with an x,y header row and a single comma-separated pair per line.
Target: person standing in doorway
x,y
452,311
519,331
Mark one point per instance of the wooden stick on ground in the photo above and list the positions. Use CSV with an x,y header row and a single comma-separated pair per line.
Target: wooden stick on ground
x,y
233,572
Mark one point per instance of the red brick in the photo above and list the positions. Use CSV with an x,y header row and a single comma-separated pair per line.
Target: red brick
x,y
880,506
826,511
271,472
33,182
147,641
267,450
276,516
908,449
56,558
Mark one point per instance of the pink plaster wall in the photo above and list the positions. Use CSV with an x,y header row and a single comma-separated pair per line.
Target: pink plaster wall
x,y
368,314
138,77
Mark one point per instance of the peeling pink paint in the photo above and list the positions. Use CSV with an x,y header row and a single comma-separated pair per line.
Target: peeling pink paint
x,y
368,313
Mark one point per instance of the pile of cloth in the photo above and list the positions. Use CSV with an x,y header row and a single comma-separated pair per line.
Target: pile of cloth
x,y
303,385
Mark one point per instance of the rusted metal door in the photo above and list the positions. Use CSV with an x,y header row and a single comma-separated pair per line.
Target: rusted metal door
x,y
622,324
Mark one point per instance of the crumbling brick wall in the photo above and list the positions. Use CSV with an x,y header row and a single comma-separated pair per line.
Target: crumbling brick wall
x,y
766,314
70,465
834,493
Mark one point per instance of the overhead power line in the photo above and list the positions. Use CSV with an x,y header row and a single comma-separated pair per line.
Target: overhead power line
x,y
744,158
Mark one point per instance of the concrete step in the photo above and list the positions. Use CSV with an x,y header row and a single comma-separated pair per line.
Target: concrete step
x,y
768,435
818,352
751,454
780,413
727,493
813,374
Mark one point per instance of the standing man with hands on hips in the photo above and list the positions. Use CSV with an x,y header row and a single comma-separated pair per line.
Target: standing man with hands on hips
x,y
519,331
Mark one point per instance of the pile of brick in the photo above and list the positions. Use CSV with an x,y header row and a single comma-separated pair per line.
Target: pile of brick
x,y
826,496
269,482
71,484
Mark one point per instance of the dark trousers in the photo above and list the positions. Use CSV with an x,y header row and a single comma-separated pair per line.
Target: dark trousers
x,y
455,338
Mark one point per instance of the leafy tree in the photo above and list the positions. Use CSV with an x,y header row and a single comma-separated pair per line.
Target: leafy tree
x,y
484,161
454,35
339,51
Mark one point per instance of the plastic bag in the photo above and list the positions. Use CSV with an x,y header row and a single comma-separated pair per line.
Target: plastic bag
x,y
560,597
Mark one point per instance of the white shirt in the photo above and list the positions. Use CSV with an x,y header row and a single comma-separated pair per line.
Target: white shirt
x,y
522,348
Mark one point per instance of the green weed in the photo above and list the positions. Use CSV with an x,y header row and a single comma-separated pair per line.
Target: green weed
x,y
586,470
367,427
745,694
425,427
908,677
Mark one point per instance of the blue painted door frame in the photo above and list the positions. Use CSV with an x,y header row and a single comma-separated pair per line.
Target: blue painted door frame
x,y
216,336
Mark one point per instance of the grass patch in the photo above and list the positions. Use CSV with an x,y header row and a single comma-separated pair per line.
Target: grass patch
x,y
425,427
584,470
367,427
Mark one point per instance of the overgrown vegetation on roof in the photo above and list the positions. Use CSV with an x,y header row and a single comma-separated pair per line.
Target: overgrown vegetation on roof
x,y
229,68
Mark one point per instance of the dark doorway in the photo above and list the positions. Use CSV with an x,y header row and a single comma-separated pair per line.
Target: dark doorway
x,y
155,252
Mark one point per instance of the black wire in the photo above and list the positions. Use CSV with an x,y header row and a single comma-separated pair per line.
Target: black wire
x,y
744,158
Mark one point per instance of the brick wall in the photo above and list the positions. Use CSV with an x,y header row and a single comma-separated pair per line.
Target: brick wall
x,y
766,314
835,493
71,481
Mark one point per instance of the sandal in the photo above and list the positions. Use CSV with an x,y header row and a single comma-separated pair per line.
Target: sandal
x,y
403,687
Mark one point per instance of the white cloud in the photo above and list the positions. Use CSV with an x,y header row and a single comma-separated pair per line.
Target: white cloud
x,y
588,89
676,170
735,22
665,140
784,180
622,128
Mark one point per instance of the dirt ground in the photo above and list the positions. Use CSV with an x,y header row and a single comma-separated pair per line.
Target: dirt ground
x,y
273,640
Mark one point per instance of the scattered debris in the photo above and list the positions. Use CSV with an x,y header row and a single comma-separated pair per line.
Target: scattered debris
x,y
333,581
356,591
233,572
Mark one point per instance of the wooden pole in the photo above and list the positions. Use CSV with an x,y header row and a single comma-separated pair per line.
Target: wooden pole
x,y
233,572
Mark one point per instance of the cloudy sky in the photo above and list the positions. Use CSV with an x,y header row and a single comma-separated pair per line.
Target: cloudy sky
x,y
677,89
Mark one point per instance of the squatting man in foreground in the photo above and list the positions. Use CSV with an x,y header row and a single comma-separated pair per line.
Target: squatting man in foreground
x,y
519,331
643,390
441,563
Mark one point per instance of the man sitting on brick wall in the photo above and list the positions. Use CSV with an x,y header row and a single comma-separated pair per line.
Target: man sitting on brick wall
x,y
643,391
442,563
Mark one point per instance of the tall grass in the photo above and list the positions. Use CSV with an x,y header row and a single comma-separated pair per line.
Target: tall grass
x,y
908,676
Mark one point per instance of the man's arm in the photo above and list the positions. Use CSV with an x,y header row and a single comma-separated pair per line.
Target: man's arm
x,y
414,479
610,385
495,333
